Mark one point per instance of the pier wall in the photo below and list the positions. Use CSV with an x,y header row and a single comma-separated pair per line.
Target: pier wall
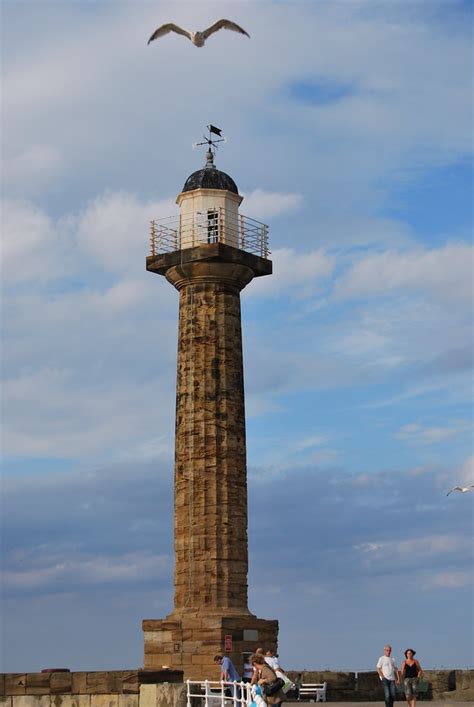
x,y
165,688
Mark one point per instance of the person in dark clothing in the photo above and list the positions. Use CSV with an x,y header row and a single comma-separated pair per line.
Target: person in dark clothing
x,y
411,673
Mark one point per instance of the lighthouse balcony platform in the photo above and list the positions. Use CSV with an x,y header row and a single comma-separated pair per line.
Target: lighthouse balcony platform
x,y
211,226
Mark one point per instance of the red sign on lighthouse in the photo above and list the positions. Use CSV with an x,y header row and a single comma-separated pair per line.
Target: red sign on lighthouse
x,y
228,643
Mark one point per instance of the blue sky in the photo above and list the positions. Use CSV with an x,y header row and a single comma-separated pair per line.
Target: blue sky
x,y
349,130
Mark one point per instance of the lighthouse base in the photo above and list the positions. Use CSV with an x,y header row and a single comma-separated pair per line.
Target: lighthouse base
x,y
189,641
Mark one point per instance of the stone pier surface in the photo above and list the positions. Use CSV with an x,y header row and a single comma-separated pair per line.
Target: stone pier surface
x,y
210,614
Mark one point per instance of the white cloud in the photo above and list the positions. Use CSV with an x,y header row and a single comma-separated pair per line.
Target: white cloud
x,y
308,443
30,243
114,229
32,171
445,274
261,204
294,274
48,414
412,549
416,433
449,580
88,570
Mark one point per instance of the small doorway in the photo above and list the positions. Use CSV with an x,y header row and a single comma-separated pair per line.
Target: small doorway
x,y
212,225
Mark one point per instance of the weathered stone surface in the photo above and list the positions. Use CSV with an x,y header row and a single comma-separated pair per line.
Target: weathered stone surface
x,y
37,683
128,701
369,686
79,683
60,683
70,700
205,252
15,683
110,700
195,653
163,695
6,701
159,636
464,680
210,461
2,684
440,681
102,682
32,701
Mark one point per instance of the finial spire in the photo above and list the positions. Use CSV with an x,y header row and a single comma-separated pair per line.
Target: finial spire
x,y
210,160
212,145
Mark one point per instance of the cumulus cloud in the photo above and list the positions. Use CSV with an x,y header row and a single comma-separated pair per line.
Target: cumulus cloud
x,y
31,247
48,414
295,274
114,229
444,273
263,204
33,170
86,570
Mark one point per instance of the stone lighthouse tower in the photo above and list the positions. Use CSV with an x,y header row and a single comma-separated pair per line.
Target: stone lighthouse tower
x,y
209,254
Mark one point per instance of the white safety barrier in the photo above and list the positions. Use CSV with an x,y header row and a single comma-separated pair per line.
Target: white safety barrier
x,y
213,693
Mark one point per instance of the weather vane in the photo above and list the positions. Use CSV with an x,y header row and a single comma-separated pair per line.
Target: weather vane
x,y
212,143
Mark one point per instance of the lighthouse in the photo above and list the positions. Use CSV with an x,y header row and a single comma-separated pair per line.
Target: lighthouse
x,y
209,253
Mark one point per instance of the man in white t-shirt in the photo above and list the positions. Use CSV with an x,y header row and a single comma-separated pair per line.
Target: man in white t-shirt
x,y
389,675
272,660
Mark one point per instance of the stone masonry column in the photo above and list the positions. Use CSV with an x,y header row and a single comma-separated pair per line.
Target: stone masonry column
x,y
210,462
210,612
209,254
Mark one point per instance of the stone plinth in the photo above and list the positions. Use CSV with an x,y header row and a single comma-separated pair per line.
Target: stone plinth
x,y
190,643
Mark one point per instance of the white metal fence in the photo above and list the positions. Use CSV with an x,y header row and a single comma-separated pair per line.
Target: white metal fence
x,y
213,693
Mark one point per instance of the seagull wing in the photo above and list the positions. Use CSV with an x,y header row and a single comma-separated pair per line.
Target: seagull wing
x,y
456,488
170,27
223,24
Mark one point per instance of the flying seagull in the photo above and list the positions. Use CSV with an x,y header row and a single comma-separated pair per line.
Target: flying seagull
x,y
197,38
462,489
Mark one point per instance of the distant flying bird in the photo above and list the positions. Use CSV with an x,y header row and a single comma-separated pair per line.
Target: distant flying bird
x,y
462,489
197,38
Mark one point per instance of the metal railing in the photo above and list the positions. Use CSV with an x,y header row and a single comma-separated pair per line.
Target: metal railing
x,y
211,226
214,693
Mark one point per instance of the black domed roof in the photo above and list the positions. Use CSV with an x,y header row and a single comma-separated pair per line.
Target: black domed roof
x,y
210,178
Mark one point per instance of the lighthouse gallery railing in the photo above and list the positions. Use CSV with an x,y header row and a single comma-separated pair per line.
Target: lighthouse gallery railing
x,y
210,226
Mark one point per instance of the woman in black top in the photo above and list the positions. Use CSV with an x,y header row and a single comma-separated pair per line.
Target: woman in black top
x,y
411,673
